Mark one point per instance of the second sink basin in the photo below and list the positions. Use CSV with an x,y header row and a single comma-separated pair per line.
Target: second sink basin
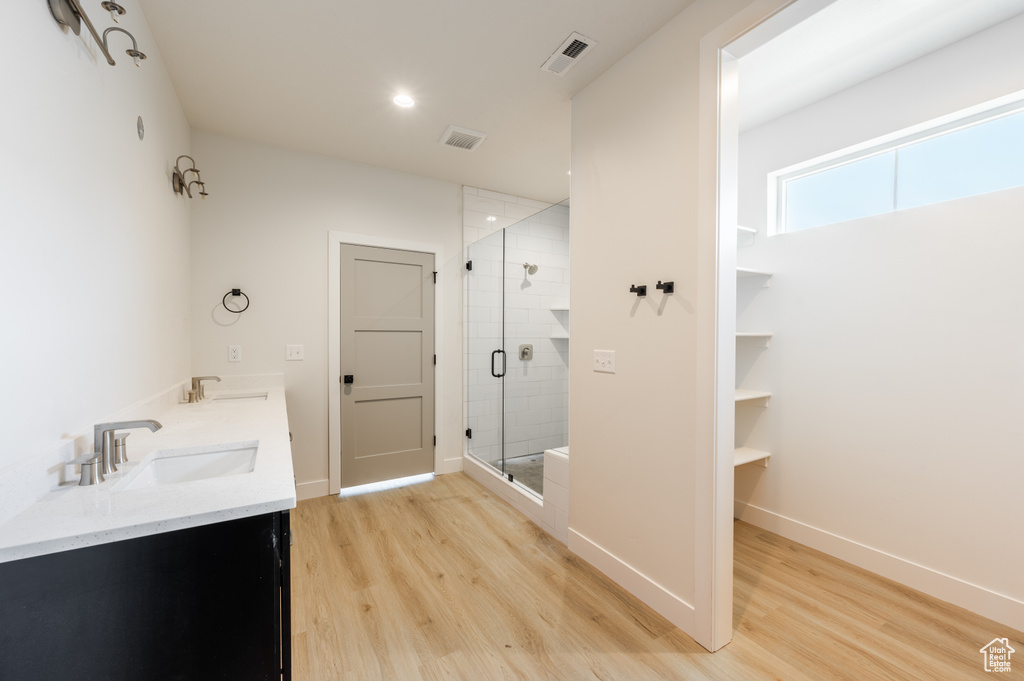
x,y
240,397
188,465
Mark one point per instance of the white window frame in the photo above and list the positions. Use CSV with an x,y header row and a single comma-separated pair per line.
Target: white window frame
x,y
965,118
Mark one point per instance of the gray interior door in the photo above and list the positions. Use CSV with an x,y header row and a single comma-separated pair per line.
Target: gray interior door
x,y
387,360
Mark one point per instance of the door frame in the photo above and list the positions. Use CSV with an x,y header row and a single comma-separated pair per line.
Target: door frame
x,y
334,243
718,192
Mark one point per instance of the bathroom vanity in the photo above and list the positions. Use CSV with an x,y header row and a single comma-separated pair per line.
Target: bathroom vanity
x,y
176,567
211,602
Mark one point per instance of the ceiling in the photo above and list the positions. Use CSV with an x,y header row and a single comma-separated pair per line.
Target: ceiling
x,y
319,76
850,41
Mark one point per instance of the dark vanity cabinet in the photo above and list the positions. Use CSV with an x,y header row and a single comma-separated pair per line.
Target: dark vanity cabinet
x,y
210,602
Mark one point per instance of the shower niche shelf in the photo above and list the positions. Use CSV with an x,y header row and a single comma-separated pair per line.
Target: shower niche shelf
x,y
746,230
560,306
746,273
755,334
745,455
559,335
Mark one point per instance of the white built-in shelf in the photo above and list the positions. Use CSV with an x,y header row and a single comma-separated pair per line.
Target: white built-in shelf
x,y
748,230
758,334
744,455
744,395
560,306
560,335
744,273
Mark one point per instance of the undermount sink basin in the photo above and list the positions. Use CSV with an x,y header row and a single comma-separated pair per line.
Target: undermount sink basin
x,y
240,397
189,465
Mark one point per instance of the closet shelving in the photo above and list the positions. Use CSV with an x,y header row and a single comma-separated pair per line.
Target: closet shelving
x,y
746,455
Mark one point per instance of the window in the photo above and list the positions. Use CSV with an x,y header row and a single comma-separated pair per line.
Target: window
x,y
941,161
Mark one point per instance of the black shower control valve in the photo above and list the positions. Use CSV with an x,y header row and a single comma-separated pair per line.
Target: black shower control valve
x,y
667,287
640,291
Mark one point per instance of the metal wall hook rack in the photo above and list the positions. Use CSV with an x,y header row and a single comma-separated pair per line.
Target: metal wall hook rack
x,y
180,182
70,13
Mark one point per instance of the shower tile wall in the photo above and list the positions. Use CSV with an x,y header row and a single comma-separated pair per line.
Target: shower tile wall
x,y
536,391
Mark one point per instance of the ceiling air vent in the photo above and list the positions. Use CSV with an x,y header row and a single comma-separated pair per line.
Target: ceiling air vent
x,y
566,56
461,138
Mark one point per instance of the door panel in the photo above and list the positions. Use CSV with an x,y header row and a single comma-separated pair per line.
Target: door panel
x,y
389,357
387,346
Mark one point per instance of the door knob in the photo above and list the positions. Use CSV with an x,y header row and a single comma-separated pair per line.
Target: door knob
x,y
349,378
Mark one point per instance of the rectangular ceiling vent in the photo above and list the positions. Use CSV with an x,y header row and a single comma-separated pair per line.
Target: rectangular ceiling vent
x,y
566,56
462,138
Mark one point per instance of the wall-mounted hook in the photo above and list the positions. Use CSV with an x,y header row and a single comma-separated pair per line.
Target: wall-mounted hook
x,y
667,287
640,291
133,52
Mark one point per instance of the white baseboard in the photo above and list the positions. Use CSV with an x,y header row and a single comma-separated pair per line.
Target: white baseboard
x,y
995,606
313,489
446,466
671,607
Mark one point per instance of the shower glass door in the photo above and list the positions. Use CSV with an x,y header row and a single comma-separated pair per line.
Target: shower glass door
x,y
486,360
517,317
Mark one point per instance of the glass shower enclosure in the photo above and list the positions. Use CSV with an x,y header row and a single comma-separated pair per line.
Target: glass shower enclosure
x,y
517,299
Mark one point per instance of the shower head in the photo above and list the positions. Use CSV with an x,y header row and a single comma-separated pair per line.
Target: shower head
x,y
530,269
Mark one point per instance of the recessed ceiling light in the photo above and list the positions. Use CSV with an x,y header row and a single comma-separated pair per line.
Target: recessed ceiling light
x,y
404,101
491,218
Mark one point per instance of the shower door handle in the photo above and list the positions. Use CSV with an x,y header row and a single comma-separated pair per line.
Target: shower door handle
x,y
493,372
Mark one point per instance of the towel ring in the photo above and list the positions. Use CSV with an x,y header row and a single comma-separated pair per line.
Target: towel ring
x,y
235,292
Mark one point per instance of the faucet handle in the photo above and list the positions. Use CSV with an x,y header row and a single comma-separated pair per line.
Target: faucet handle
x,y
120,447
92,469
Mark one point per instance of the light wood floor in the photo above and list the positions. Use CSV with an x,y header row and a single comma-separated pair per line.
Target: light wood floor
x,y
443,580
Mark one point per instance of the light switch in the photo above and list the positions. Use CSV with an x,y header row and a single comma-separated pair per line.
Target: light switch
x,y
604,361
294,352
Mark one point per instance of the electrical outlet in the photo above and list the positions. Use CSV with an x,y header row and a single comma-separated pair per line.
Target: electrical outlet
x,y
294,352
604,361
234,353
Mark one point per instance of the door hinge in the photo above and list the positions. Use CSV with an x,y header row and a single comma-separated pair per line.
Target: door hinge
x,y
510,477
469,264
469,433
435,277
435,359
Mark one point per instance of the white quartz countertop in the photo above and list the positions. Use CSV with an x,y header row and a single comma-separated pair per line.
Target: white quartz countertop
x,y
71,517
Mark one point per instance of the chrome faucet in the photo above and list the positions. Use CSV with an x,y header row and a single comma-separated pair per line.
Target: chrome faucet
x,y
199,388
103,440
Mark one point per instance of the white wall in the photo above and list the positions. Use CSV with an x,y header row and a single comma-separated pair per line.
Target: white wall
x,y
895,367
264,229
634,221
94,285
